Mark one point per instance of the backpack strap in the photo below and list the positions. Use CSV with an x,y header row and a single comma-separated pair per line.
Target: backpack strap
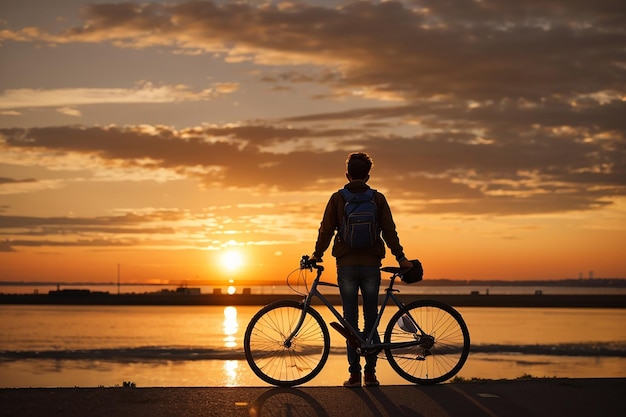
x,y
345,193
348,194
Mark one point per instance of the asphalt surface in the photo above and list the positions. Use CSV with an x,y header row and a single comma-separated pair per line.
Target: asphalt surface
x,y
507,398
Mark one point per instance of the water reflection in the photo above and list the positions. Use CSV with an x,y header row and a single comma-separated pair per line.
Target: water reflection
x,y
230,373
230,326
52,346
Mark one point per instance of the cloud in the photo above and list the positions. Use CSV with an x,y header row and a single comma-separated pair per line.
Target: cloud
x,y
508,107
444,172
5,246
143,92
472,50
22,186
156,228
129,229
10,113
69,111
4,181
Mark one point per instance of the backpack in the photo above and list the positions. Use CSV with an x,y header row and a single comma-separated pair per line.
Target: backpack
x,y
359,228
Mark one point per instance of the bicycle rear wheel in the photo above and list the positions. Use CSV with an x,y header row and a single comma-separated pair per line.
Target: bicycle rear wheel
x,y
443,350
280,363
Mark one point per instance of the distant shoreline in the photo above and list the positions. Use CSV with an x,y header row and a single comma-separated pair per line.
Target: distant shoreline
x,y
459,300
435,282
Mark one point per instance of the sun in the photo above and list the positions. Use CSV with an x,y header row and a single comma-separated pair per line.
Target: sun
x,y
231,261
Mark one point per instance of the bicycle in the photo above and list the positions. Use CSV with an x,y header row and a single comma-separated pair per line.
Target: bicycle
x,y
287,342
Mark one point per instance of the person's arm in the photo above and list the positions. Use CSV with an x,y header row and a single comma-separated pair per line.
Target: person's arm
x,y
389,233
327,228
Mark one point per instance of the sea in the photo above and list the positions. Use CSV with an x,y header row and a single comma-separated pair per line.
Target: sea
x,y
200,346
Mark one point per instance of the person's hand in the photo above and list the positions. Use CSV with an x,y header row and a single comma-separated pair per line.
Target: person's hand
x,y
314,258
406,264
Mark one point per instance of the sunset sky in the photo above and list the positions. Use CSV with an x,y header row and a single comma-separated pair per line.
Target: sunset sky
x,y
168,136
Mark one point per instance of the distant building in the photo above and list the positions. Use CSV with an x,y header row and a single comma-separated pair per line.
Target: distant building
x,y
188,291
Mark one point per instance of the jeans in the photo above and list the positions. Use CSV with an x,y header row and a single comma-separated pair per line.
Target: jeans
x,y
351,279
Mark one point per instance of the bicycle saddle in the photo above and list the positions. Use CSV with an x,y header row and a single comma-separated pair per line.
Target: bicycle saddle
x,y
408,275
393,269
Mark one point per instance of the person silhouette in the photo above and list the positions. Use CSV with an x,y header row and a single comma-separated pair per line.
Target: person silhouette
x,y
359,268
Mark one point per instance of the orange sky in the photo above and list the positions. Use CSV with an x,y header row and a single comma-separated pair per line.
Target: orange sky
x,y
160,137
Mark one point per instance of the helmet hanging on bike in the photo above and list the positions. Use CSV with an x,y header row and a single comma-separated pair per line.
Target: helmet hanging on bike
x,y
414,274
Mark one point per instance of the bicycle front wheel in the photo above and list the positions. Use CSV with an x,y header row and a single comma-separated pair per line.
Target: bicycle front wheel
x,y
444,344
278,361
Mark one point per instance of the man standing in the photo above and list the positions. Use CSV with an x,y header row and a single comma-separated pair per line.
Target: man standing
x,y
358,265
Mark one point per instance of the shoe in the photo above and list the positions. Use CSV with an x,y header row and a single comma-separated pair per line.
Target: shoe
x,y
370,380
353,382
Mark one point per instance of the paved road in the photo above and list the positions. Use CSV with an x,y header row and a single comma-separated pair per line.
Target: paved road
x,y
518,398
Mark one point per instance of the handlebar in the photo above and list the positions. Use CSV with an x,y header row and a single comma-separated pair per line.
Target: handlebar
x,y
307,263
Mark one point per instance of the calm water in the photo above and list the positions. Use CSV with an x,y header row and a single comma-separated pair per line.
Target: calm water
x,y
88,346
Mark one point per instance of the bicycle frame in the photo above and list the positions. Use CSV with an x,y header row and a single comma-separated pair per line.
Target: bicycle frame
x,y
367,344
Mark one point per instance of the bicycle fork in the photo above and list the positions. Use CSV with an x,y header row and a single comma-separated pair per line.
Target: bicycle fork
x,y
289,339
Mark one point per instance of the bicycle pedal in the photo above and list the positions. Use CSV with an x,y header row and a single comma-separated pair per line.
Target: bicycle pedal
x,y
422,356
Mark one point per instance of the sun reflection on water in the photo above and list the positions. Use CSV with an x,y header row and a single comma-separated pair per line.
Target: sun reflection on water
x,y
230,326
230,373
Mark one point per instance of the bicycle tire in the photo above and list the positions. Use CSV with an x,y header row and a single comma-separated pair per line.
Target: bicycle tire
x,y
277,363
438,359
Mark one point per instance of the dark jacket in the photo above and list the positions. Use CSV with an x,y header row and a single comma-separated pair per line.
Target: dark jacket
x,y
333,217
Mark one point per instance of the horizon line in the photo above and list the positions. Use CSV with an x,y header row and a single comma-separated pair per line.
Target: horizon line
x,y
187,283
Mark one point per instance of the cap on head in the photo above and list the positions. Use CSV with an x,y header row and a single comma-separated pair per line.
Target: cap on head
x,y
359,165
